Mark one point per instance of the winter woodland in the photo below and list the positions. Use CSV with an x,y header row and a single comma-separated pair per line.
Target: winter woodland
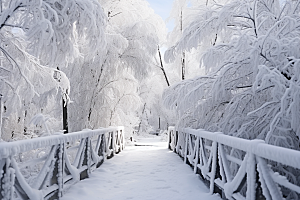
x,y
230,66
106,69
249,52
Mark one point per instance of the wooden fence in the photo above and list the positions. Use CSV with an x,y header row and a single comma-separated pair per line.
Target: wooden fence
x,y
237,168
44,168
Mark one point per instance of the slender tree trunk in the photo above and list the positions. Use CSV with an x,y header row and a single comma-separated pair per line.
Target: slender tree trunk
x,y
65,116
115,108
183,53
162,67
142,118
183,66
1,111
65,112
159,123
93,101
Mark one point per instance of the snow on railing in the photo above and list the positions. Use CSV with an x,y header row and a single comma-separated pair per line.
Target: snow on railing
x,y
238,168
44,168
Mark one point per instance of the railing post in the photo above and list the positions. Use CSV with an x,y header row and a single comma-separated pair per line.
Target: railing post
x,y
186,148
176,148
114,142
197,148
217,173
61,169
111,148
7,180
111,145
2,177
86,160
57,175
258,189
89,155
169,138
254,189
214,166
251,177
123,139
101,150
118,141
107,145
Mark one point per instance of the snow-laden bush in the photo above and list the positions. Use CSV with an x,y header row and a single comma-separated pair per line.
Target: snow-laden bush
x,y
251,87
250,52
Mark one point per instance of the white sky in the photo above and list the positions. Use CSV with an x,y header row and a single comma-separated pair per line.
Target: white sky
x,y
162,8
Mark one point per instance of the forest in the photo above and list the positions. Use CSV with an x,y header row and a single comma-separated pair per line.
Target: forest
x,y
228,66
79,55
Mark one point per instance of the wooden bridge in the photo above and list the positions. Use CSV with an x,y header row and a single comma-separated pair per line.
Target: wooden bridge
x,y
46,168
237,168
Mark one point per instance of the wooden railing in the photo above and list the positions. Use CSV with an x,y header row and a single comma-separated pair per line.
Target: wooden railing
x,y
237,168
44,168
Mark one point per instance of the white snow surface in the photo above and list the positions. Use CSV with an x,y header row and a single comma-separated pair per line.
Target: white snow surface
x,y
148,172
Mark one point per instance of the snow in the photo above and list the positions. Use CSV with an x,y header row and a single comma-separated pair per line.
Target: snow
x,y
33,194
257,151
148,171
285,156
282,155
12,148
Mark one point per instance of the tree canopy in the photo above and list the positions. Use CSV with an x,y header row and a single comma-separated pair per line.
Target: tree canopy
x,y
82,50
241,58
250,53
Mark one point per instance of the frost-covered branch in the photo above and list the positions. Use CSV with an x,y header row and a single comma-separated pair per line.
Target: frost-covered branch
x,y
254,64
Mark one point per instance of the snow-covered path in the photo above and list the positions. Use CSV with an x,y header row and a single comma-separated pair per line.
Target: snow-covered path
x,y
142,173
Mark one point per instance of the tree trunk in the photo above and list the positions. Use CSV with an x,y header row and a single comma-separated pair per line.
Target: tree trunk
x,y
159,123
183,53
1,111
162,67
65,116
183,66
140,124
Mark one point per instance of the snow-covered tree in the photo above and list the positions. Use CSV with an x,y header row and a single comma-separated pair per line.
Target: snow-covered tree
x,y
37,37
105,90
143,30
103,57
250,52
153,115
185,64
251,58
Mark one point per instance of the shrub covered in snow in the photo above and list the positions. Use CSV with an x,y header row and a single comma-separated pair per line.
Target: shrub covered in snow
x,y
250,51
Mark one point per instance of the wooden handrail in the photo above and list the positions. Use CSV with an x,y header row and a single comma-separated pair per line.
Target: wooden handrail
x,y
237,168
54,163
